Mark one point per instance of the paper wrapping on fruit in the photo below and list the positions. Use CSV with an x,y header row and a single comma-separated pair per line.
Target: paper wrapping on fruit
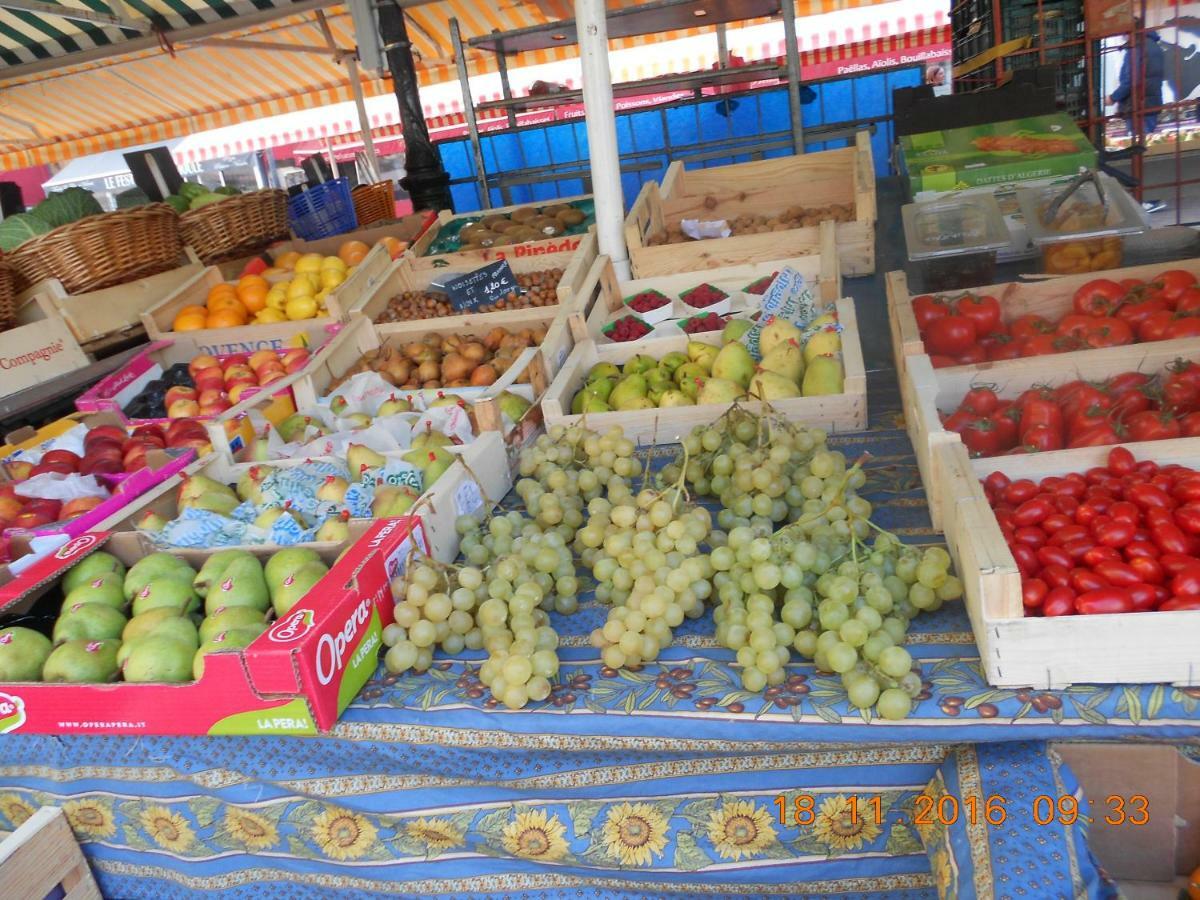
x,y
789,298
53,486
71,439
698,229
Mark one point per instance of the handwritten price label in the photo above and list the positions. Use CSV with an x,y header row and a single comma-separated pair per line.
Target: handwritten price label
x,y
467,498
482,287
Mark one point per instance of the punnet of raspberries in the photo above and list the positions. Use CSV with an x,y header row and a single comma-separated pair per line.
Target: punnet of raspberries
x,y
648,300
704,295
707,322
627,328
760,286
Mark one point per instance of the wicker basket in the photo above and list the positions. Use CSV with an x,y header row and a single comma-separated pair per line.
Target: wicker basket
x,y
241,225
374,202
8,295
103,250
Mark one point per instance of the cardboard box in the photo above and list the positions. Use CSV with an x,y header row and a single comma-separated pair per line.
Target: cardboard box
x,y
296,678
38,349
995,153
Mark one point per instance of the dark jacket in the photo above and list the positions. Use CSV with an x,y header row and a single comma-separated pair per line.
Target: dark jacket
x,y
1152,94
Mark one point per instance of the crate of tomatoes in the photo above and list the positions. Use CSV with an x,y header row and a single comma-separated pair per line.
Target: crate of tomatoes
x,y
1066,316
1050,407
1081,567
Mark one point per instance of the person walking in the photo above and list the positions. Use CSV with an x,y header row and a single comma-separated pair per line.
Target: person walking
x,y
1144,65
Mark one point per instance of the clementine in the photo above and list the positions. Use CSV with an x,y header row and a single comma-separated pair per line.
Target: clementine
x,y
253,295
189,321
233,303
353,252
227,318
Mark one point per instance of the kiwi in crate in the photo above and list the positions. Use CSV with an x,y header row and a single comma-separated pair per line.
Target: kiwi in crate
x,y
449,361
793,217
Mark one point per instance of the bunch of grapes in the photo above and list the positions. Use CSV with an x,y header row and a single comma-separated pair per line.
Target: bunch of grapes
x,y
435,606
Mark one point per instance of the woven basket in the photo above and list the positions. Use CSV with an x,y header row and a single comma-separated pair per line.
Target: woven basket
x,y
374,202
239,226
8,296
100,251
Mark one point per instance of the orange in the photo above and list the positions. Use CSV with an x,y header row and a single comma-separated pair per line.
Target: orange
x,y
353,252
287,260
223,302
253,296
189,321
220,291
395,246
226,318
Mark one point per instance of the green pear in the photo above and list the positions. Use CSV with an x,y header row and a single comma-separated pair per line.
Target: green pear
x,y
601,388
393,406
674,398
82,662
23,652
249,485
786,359
382,502
152,566
175,593
194,486
513,405
292,428
689,371
778,331
151,521
734,363
162,621
734,329
701,353
628,389
214,567
360,457
107,588
672,361
592,404
234,639
430,439
234,617
638,364
89,568
284,562
436,462
603,370
767,385
89,622
213,502
357,420
824,376
267,517
288,592
692,387
334,530
720,390
657,381
241,584
158,659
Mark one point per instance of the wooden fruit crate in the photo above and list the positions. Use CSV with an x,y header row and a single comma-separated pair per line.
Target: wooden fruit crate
x,y
407,274
1050,297
766,186
600,296
42,859
925,390
837,412
97,314
1051,653
159,320
564,244
361,337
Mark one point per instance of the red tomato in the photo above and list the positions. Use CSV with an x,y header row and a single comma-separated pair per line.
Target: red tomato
x,y
1003,347
1137,311
972,356
1037,411
1144,597
1040,438
1075,325
1187,582
1030,325
1033,593
1174,563
1148,570
1044,344
1030,535
1099,297
1187,517
1101,434
927,308
1148,495
1125,511
1068,534
1189,425
1170,540
1104,601
981,437
1056,576
1048,555
1114,533
1060,601
958,420
1026,560
1173,282
1180,604
1116,572
983,310
1185,327
1139,547
1127,382
1098,555
996,482
950,335
1078,549
1121,462
1130,404
1019,491
1153,426
1155,326
1108,333
1188,303
1008,422
942,362
1181,388
1059,520
1032,511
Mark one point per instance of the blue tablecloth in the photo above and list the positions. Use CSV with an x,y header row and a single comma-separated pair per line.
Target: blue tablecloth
x,y
423,782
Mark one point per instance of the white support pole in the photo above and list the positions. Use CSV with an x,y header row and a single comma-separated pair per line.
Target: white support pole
x,y
592,31
364,121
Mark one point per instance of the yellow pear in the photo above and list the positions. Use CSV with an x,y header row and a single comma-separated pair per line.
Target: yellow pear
x,y
824,376
785,359
776,332
823,343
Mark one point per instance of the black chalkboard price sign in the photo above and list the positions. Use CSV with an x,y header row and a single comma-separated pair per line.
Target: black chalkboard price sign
x,y
483,287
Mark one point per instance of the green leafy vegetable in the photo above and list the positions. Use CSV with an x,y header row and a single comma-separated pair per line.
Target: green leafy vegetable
x,y
64,207
16,230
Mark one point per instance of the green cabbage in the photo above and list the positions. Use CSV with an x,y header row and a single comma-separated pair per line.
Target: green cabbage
x,y
16,230
64,207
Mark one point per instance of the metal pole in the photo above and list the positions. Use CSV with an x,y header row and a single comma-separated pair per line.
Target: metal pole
x,y
722,46
505,87
464,80
592,31
364,121
787,9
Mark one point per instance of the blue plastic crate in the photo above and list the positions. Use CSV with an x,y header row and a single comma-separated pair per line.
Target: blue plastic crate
x,y
323,211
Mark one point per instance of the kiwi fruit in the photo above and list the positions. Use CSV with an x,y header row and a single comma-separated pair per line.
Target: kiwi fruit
x,y
524,214
490,222
522,234
505,226
570,217
547,226
467,231
485,238
554,209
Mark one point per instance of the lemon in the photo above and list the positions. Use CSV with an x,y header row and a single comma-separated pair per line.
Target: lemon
x,y
309,262
333,262
301,308
299,287
331,278
269,316
320,295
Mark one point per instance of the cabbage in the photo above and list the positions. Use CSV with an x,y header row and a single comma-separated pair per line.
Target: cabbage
x,y
64,207
16,230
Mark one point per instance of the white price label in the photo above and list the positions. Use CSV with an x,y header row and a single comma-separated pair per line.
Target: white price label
x,y
467,498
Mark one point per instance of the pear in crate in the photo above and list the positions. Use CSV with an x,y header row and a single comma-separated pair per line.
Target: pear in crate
x,y
734,330
170,591
195,486
701,353
23,652
630,393
776,332
241,584
214,567
824,376
734,363
513,405
360,458
162,621
107,588
234,639
767,385
392,500
603,370
153,566
157,659
393,406
89,568
720,390
786,359
249,486
268,517
429,439
82,662
230,618
333,489
334,530
674,398
291,590
150,521
284,562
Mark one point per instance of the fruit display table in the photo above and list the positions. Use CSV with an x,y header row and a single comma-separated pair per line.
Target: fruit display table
x,y
664,780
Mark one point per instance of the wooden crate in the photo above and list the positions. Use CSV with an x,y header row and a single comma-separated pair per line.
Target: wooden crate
x,y
600,295
766,186
361,337
925,391
837,412
97,314
1049,297
1051,653
473,259
41,858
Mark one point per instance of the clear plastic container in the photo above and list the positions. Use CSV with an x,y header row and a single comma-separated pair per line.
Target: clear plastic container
x,y
953,241
1084,235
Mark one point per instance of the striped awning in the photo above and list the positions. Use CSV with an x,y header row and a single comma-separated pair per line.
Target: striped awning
x,y
160,88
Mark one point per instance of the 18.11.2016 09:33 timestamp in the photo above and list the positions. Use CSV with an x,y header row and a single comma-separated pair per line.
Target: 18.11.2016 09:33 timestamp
x,y
1115,809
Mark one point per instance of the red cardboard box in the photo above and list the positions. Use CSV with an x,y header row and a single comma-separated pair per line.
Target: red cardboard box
x,y
295,679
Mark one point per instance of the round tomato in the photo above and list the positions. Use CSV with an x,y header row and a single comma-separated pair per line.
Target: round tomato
x,y
950,335
1188,303
1153,426
927,308
1099,297
1005,347
1155,326
982,438
1174,282
972,356
1136,311
1030,325
941,362
981,400
1075,325
1184,327
1108,333
983,310
1189,425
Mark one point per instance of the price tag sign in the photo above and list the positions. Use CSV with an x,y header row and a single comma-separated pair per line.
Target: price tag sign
x,y
468,498
485,286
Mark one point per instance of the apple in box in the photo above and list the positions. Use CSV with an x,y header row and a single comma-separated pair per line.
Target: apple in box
x,y
64,459
10,508
104,433
260,358
78,506
19,469
294,359
209,380
202,362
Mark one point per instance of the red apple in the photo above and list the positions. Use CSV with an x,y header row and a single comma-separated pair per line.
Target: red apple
x,y
105,433
9,489
79,506
235,359
33,519
271,378
134,458
260,358
182,409
209,397
150,428
203,361
177,393
19,469
103,466
210,380
10,508
46,468
293,353
144,440
42,505
241,391
182,426
272,366
239,372
105,449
